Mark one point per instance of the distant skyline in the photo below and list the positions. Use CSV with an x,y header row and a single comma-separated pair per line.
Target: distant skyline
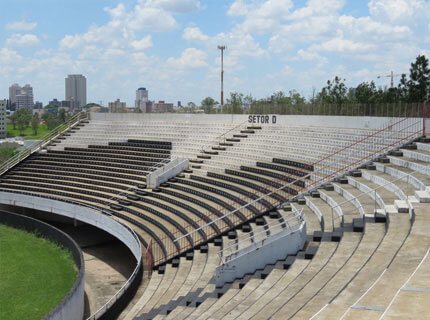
x,y
170,46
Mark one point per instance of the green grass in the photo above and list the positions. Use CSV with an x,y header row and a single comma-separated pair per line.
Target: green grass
x,y
28,132
35,275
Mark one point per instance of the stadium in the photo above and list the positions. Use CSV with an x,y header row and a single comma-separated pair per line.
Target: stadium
x,y
233,216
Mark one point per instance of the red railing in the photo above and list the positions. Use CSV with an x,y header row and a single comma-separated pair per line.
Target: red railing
x,y
353,154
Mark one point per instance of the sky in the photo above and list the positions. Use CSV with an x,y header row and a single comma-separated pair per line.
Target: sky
x,y
170,46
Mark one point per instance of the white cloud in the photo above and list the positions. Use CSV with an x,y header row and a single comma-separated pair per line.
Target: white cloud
x,y
22,40
116,13
143,43
194,33
178,6
326,6
344,46
8,56
146,18
399,10
21,26
263,16
273,9
238,8
190,58
367,28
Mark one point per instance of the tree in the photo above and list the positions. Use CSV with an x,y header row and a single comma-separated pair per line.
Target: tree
x,y
137,109
419,80
335,92
208,105
35,123
234,104
280,103
23,119
62,115
365,92
247,101
51,120
403,88
52,109
13,118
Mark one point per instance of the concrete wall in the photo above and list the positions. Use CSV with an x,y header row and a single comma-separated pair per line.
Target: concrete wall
x,y
93,217
259,254
72,305
167,171
74,211
283,120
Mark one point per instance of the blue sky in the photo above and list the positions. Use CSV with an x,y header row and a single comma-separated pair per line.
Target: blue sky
x,y
170,46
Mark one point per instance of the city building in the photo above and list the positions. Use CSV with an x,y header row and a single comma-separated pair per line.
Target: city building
x,y
117,106
148,107
55,102
24,100
38,105
142,100
14,90
21,97
76,90
66,104
162,106
3,131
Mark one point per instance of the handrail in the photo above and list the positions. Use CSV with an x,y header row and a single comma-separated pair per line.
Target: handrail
x,y
46,139
325,178
234,128
217,138
370,191
361,140
238,253
247,237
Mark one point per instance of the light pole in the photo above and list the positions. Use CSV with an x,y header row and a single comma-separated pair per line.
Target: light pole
x,y
222,48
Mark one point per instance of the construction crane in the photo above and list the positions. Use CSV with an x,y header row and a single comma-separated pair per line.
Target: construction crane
x,y
391,75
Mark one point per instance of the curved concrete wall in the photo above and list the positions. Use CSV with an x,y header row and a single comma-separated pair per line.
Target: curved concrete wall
x,y
94,217
72,305
78,212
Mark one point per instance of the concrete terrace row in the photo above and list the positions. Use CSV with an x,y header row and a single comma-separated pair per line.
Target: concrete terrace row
x,y
362,275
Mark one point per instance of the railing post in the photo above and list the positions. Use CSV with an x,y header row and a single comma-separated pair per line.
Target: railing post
x,y
332,218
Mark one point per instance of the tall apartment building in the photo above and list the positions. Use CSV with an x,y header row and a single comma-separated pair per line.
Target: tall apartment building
x,y
21,97
142,100
3,118
14,90
76,90
117,106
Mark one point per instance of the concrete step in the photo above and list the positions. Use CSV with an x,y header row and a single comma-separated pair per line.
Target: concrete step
x,y
390,209
423,196
401,206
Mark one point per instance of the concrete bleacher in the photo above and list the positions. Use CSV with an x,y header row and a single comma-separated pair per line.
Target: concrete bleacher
x,y
340,273
339,269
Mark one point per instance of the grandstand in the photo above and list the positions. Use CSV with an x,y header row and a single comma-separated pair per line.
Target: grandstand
x,y
356,190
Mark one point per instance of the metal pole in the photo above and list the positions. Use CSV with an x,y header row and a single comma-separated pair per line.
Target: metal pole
x,y
392,79
222,48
